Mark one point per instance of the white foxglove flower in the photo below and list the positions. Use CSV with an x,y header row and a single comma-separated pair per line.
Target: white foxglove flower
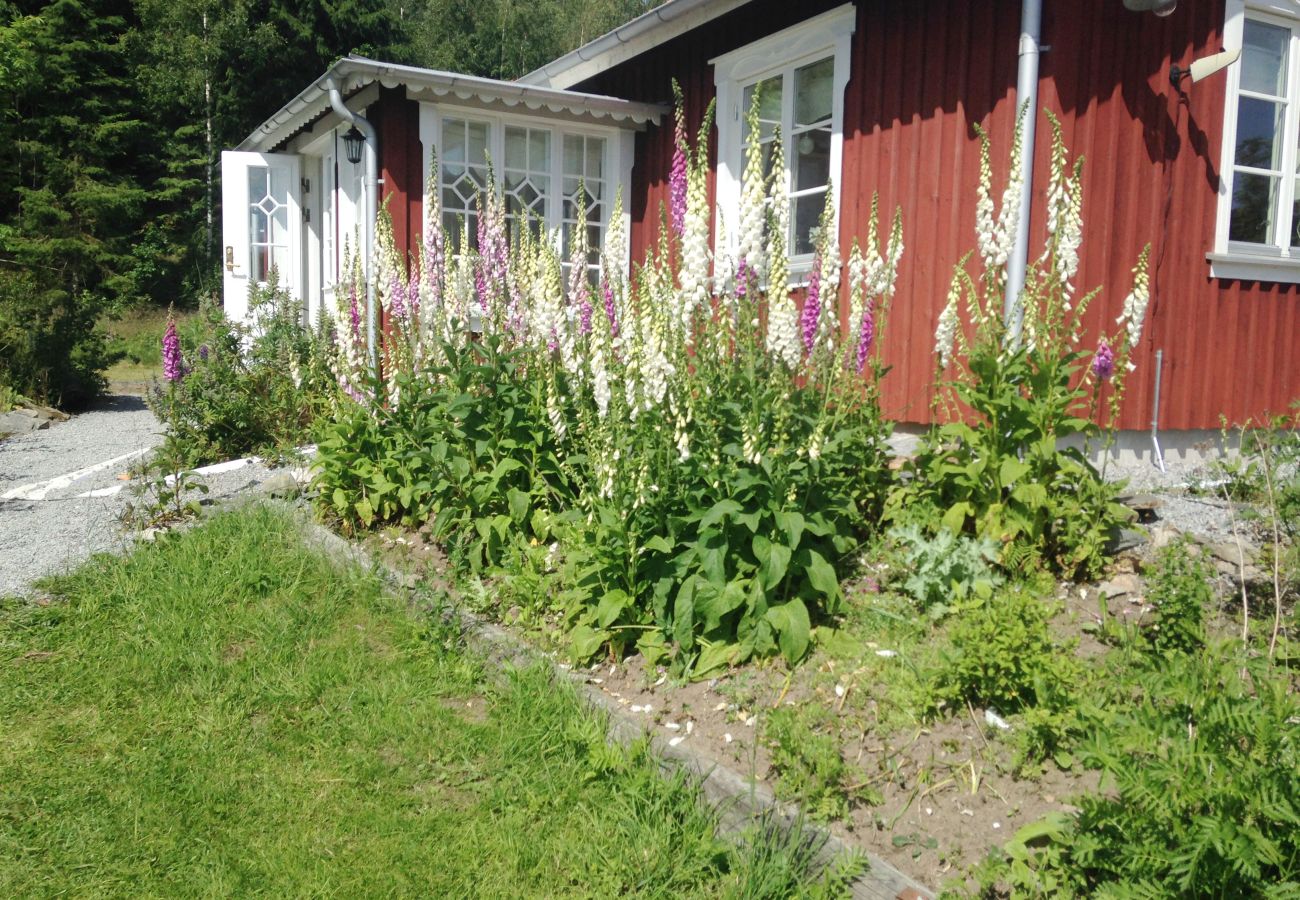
x,y
945,334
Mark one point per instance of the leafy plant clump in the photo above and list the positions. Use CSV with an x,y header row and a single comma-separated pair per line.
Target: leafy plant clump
x,y
945,570
1180,590
805,746
230,390
1022,386
1205,800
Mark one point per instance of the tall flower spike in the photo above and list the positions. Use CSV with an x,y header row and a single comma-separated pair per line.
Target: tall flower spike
x,y
1135,304
753,195
173,364
945,334
677,178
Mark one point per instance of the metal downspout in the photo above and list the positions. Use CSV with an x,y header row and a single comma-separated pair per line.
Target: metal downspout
x,y
1031,26
370,203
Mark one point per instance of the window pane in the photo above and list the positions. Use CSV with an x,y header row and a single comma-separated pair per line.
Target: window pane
x,y
1263,62
453,141
572,156
280,185
478,142
259,230
812,151
256,184
280,226
261,263
769,111
813,92
1259,129
539,150
1254,205
516,148
595,158
807,213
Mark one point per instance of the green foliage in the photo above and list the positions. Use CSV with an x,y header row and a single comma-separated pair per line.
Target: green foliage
x,y
805,746
50,347
1180,590
1203,799
467,450
1002,467
945,570
161,498
1002,655
245,391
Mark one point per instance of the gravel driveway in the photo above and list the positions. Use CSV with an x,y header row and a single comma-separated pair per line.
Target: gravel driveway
x,y
44,525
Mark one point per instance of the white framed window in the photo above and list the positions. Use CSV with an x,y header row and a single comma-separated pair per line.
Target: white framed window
x,y
800,74
539,163
1257,233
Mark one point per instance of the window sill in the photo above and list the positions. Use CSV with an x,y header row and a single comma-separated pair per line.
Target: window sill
x,y
1252,267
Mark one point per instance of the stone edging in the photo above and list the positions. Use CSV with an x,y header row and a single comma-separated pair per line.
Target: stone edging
x,y
737,800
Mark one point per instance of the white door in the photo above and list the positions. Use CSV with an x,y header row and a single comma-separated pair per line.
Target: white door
x,y
261,225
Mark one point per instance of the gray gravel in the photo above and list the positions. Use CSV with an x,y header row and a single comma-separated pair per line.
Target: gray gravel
x,y
48,528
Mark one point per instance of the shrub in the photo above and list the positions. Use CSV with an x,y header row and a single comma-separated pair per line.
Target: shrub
x,y
1000,467
50,348
1180,591
233,390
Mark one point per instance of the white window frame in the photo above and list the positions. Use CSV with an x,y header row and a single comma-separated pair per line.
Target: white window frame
x,y
616,164
780,54
1257,262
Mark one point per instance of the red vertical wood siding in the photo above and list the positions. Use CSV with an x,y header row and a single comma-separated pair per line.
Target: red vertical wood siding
x,y
923,71
401,167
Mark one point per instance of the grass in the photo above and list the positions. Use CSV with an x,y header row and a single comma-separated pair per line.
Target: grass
x,y
226,713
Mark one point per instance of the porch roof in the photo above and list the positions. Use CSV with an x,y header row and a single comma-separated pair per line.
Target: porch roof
x,y
353,73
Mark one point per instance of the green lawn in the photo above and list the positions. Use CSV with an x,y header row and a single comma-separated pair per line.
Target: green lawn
x,y
225,713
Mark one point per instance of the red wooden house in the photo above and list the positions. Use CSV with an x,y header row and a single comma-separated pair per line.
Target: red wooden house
x,y
873,96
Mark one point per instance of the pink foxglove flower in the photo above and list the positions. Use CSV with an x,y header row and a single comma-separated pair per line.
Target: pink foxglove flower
x,y
866,336
354,311
677,176
584,316
173,364
742,278
1103,362
609,309
812,308
397,295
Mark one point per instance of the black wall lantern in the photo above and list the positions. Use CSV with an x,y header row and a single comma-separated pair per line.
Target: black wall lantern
x,y
354,143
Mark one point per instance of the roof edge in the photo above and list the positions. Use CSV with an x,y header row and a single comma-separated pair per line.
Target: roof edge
x,y
645,32
352,73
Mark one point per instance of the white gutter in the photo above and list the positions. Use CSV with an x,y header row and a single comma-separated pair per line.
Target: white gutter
x,y
1031,26
645,32
370,203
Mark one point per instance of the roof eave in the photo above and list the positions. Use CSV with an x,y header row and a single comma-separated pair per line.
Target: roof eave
x,y
645,32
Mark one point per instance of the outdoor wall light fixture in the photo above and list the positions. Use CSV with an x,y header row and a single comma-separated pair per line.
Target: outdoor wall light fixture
x,y
1204,67
1161,8
354,142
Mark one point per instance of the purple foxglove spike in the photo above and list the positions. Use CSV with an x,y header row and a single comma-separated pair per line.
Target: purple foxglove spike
x,y
742,278
355,311
584,313
609,310
1103,362
866,336
812,307
397,291
173,364
677,185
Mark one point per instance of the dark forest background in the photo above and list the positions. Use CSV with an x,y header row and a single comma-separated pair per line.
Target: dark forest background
x,y
113,114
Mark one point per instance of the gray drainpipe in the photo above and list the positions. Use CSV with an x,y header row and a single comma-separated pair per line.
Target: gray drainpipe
x,y
370,203
1031,26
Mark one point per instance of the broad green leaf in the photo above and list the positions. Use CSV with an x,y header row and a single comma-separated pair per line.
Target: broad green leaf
x,y
955,518
821,575
684,614
718,512
611,606
793,630
792,523
1011,471
519,503
658,544
585,642
712,657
